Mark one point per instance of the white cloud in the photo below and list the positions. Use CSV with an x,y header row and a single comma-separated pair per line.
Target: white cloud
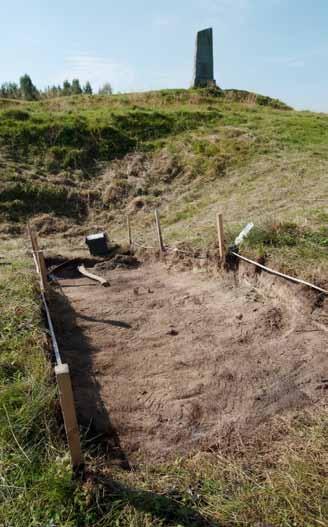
x,y
97,70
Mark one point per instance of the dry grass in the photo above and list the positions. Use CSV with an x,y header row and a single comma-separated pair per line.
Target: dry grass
x,y
188,152
279,478
254,164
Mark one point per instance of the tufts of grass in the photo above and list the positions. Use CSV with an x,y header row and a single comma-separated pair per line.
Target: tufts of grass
x,y
287,234
280,482
15,115
291,248
29,441
278,479
246,154
20,200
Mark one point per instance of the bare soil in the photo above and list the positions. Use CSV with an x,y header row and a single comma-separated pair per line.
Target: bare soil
x,y
166,362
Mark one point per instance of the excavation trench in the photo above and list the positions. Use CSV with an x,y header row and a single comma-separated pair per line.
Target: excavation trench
x,y
165,363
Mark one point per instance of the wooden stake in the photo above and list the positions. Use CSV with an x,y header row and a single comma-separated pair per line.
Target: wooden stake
x,y
30,235
34,239
69,413
43,271
159,232
221,236
34,244
129,230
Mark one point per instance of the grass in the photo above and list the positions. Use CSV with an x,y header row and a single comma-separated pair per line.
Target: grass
x,y
28,444
247,155
199,152
280,481
21,200
285,487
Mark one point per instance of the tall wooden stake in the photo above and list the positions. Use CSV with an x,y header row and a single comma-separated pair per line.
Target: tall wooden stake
x,y
35,256
221,236
129,230
69,413
43,271
159,232
35,247
35,240
30,235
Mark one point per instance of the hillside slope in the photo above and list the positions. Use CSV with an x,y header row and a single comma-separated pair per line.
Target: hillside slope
x,y
75,162
72,165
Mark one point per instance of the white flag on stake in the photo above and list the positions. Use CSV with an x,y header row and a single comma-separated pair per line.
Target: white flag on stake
x,y
244,233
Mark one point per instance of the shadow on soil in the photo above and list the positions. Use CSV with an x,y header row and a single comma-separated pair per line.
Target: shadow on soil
x,y
109,322
76,351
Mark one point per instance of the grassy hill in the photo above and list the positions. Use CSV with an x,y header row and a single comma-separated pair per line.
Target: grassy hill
x,y
70,164
84,160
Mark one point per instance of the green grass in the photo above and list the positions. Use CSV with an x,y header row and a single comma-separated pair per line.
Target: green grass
x,y
280,482
20,200
250,156
247,155
30,489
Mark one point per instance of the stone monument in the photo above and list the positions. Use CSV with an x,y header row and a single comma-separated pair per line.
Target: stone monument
x,y
204,60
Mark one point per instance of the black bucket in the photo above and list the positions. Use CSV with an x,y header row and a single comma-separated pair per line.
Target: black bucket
x,y
98,244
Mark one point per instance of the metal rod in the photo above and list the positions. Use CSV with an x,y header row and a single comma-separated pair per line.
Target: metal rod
x,y
52,331
277,273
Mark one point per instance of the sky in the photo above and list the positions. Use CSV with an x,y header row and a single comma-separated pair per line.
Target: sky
x,y
273,47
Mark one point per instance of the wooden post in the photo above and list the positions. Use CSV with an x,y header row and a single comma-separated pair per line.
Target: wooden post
x,y
159,232
129,230
34,244
34,240
69,413
43,271
30,235
221,236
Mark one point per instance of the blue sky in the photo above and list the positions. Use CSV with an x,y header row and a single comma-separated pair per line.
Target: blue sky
x,y
275,47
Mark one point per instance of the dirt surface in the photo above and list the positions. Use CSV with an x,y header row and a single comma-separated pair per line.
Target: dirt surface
x,y
168,362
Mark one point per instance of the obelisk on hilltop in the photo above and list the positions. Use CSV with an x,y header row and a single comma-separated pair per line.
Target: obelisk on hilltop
x,y
204,60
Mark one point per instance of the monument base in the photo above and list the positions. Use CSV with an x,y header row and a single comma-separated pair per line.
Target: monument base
x,y
204,83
